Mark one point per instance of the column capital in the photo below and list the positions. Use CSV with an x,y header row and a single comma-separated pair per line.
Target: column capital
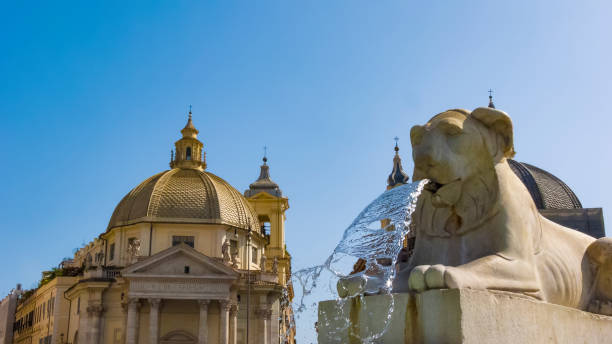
x,y
264,313
134,303
203,303
154,302
233,309
224,305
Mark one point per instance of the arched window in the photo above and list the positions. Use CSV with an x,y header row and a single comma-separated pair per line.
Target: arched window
x,y
264,224
188,153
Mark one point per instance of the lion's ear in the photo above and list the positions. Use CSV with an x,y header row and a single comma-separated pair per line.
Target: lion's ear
x,y
501,124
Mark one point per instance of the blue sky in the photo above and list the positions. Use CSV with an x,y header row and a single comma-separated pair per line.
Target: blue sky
x,y
93,95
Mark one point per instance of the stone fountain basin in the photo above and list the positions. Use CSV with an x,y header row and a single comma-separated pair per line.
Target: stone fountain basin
x,y
458,316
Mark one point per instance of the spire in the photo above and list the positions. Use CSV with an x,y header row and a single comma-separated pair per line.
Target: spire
x,y
190,130
491,105
397,176
189,150
264,183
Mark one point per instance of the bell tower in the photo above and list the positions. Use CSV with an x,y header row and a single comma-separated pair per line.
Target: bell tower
x,y
189,150
267,199
397,176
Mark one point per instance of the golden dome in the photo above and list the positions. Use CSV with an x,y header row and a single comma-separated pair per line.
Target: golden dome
x,y
185,196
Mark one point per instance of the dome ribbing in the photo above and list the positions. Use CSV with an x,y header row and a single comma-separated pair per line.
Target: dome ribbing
x,y
185,196
547,191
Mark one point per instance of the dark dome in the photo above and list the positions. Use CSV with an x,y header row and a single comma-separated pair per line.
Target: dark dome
x,y
547,191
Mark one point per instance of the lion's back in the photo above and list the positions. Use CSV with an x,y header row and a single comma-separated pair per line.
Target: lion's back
x,y
563,267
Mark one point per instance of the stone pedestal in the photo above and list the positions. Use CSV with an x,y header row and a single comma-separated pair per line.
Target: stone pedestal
x,y
458,316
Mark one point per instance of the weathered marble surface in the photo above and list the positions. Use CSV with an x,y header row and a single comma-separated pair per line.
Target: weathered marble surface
x,y
478,227
461,316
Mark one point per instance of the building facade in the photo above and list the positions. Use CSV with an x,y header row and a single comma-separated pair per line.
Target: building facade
x,y
186,258
8,306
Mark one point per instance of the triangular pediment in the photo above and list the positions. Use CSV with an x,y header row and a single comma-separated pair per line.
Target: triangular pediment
x,y
180,261
263,195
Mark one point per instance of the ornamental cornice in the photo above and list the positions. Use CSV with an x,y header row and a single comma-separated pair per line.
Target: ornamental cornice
x,y
140,276
90,285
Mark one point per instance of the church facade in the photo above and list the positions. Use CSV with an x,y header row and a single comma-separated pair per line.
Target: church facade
x,y
186,258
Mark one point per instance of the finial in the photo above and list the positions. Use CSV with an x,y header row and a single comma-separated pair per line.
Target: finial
x,y
491,105
397,176
189,111
265,158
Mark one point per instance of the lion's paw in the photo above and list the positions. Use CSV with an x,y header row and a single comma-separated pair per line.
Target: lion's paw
x,y
424,277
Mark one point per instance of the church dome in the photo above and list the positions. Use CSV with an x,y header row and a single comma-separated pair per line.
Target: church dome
x,y
547,191
186,193
185,196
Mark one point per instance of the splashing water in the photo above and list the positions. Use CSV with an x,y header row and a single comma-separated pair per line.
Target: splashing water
x,y
375,236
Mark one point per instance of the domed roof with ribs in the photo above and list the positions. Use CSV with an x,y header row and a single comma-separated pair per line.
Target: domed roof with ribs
x,y
547,191
185,196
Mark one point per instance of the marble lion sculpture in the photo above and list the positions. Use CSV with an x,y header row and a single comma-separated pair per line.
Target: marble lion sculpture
x,y
477,226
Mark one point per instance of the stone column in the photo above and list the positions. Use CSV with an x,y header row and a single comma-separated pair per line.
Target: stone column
x,y
133,314
154,321
271,337
233,337
203,327
264,324
94,313
224,307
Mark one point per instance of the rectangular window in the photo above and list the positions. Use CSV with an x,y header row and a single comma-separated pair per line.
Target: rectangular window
x,y
254,255
177,239
112,252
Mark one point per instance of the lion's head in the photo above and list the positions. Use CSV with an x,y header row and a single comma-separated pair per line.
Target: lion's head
x,y
457,151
